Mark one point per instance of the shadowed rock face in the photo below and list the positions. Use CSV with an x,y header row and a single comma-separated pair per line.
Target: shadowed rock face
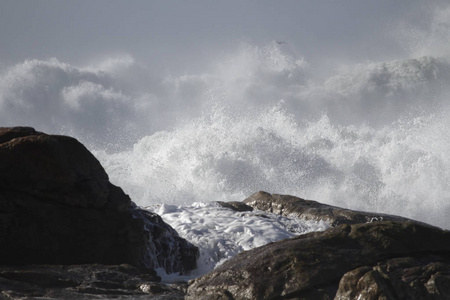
x,y
57,206
380,260
84,282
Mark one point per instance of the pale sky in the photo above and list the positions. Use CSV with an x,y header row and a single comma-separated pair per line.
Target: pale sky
x,y
180,34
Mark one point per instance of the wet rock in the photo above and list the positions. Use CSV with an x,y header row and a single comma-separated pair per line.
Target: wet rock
x,y
378,260
292,206
423,277
57,206
235,205
91,281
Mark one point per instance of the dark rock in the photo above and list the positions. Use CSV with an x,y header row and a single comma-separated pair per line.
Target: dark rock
x,y
92,281
235,205
57,206
423,277
378,260
9,133
291,206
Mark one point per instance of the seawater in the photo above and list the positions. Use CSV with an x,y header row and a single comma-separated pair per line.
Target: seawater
x,y
221,233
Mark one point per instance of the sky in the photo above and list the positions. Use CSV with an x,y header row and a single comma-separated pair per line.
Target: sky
x,y
179,36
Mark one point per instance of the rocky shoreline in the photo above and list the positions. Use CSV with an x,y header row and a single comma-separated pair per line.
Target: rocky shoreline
x,y
66,232
89,281
380,260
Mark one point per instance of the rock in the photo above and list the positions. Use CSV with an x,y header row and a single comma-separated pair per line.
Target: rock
x,y
378,260
291,206
92,281
235,205
57,206
423,277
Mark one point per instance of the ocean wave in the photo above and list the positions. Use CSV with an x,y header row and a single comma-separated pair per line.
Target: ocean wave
x,y
370,136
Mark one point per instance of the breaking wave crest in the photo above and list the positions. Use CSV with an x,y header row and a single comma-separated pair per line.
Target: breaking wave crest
x,y
401,168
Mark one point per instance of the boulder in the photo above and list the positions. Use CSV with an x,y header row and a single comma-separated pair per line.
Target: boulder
x,y
419,277
57,206
291,206
377,260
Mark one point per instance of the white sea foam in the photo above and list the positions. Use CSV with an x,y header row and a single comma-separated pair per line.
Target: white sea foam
x,y
221,233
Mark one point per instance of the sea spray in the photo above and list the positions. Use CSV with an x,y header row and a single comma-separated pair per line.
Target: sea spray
x,y
400,168
369,136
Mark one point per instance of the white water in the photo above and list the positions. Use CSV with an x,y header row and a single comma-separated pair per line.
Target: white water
x,y
400,168
221,233
362,134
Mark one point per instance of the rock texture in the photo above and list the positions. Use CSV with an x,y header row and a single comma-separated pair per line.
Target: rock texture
x,y
84,282
378,260
57,206
423,277
291,206
235,205
363,256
